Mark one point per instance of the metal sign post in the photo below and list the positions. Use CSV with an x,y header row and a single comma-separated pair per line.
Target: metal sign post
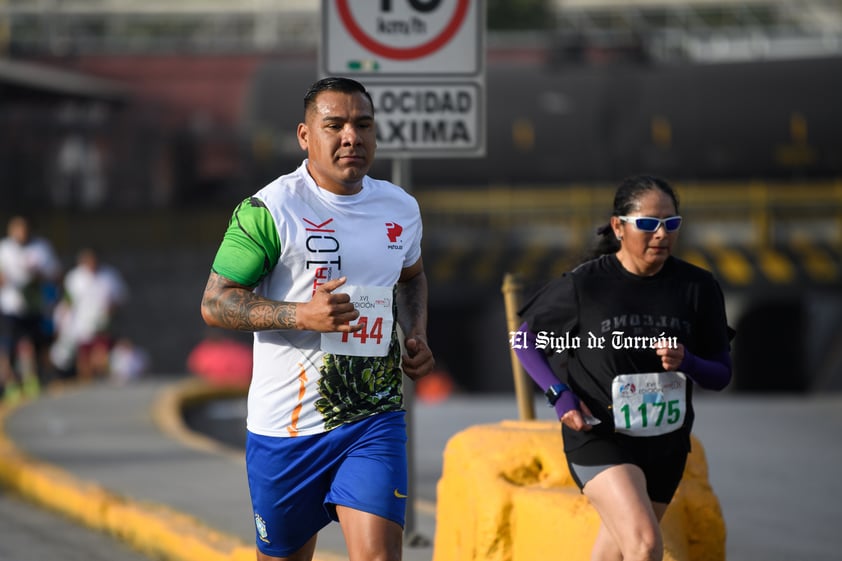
x,y
402,175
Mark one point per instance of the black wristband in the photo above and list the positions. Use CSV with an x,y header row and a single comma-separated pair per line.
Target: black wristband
x,y
554,392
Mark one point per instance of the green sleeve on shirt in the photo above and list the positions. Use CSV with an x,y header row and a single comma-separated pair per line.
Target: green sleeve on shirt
x,y
251,245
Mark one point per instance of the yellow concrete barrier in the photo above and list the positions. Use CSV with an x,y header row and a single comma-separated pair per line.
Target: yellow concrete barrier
x,y
506,495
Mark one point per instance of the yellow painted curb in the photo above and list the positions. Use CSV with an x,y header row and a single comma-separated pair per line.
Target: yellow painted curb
x,y
174,399
156,530
506,495
153,529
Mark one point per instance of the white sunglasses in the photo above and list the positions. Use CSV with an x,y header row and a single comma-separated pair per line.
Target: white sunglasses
x,y
651,224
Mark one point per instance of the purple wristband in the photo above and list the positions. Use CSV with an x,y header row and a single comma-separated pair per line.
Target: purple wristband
x,y
567,401
713,374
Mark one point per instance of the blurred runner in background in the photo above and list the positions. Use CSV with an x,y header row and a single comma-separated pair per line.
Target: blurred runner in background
x,y
29,271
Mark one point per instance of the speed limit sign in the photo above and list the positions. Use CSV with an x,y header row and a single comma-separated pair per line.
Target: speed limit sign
x,y
423,61
402,37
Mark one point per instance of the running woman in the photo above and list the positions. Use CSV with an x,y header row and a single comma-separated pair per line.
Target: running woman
x,y
651,327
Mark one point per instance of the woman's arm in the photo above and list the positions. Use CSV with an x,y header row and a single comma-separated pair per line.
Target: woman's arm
x,y
711,374
535,363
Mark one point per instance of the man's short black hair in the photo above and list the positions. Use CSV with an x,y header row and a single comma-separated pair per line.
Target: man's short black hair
x,y
336,84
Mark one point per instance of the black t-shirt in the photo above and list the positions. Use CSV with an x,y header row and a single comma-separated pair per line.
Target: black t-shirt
x,y
600,299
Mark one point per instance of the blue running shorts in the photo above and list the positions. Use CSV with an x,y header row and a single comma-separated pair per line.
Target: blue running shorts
x,y
296,482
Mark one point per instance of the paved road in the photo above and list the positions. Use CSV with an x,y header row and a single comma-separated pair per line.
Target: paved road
x,y
29,532
773,463
113,437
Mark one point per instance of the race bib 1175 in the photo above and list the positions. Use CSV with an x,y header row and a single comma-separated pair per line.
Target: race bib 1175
x,y
649,404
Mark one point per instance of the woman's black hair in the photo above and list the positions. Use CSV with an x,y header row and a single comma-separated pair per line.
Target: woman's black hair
x,y
626,199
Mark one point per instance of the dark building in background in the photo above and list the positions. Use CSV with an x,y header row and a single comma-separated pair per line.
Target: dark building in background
x,y
145,139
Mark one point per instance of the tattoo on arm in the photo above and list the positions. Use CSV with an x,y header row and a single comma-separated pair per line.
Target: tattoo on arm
x,y
233,306
412,304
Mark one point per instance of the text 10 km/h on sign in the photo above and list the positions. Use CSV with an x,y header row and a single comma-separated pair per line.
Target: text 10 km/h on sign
x,y
427,119
403,37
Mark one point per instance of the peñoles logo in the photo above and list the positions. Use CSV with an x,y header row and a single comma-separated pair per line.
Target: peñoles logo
x,y
393,230
627,389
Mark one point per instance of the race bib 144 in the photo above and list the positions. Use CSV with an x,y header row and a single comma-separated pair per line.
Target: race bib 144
x,y
374,303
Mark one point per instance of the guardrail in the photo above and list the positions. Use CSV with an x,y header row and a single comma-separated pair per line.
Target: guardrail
x,y
756,215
